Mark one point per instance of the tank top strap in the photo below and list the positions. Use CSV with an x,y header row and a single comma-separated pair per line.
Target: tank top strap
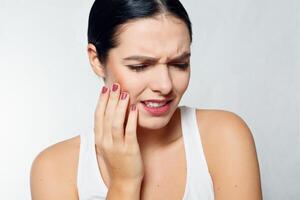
x,y
193,143
200,184
90,184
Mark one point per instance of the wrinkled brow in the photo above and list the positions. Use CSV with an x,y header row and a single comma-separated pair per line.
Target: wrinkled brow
x,y
152,59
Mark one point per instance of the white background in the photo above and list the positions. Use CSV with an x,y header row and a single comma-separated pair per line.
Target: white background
x,y
245,59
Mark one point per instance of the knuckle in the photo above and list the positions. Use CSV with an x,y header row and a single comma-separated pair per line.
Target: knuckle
x,y
116,126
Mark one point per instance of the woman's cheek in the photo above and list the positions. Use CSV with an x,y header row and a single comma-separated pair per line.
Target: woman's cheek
x,y
120,76
130,82
180,77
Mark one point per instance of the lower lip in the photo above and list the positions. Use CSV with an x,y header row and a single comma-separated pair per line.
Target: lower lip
x,y
158,111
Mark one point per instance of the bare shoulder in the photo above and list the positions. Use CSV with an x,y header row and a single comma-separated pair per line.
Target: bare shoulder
x,y
53,171
221,124
231,155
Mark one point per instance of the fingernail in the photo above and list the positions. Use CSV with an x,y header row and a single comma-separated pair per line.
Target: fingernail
x,y
114,87
123,95
133,107
104,89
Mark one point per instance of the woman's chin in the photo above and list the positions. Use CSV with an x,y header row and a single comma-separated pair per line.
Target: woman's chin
x,y
152,124
148,121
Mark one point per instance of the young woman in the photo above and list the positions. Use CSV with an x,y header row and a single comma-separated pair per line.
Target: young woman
x,y
143,146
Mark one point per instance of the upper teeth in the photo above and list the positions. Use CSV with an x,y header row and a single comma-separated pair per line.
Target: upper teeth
x,y
152,104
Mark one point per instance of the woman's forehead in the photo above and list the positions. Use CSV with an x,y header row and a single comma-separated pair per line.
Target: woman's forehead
x,y
154,36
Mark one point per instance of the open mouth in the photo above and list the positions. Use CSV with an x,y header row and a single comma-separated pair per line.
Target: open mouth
x,y
155,105
157,109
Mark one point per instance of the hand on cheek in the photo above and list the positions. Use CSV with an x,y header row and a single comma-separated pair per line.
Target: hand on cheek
x,y
115,135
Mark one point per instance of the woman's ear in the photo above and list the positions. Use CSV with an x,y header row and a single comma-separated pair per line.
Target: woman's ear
x,y
97,66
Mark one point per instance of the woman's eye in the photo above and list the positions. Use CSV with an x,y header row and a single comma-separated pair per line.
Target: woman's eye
x,y
137,67
141,67
181,65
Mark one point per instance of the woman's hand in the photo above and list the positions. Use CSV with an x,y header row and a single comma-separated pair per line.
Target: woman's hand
x,y
117,144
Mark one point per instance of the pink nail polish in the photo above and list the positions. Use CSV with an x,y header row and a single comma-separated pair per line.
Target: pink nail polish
x,y
133,107
123,95
114,87
104,89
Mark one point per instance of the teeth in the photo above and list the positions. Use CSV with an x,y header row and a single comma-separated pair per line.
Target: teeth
x,y
155,105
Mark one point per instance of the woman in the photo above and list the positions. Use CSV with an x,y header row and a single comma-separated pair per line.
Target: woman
x,y
143,145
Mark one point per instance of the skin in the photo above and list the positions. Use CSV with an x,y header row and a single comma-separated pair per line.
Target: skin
x,y
227,141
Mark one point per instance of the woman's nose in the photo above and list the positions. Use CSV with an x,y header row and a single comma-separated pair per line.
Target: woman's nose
x,y
161,81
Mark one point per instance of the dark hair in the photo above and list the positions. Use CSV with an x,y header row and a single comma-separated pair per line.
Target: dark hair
x,y
107,16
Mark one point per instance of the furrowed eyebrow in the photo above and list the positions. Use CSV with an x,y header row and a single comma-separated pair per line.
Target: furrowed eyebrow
x,y
152,59
180,57
141,58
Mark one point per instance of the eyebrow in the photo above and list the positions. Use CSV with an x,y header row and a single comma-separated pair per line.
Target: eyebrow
x,y
152,59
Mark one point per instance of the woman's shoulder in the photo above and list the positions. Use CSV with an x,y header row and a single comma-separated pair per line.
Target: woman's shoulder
x,y
59,151
230,152
222,130
216,120
54,170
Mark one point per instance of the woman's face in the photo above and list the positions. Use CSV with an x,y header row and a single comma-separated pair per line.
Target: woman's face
x,y
162,46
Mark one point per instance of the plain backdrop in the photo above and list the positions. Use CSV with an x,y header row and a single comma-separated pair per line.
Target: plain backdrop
x,y
245,59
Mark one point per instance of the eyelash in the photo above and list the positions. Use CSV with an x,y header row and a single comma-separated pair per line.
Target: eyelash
x,y
138,68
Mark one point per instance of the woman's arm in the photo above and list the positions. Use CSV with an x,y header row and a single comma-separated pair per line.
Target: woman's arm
x,y
232,157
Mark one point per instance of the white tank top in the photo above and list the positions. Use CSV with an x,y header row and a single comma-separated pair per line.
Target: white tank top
x,y
199,185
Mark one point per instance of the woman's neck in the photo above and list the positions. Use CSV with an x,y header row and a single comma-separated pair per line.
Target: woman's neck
x,y
150,139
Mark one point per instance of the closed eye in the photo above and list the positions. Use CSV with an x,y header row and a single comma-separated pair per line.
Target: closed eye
x,y
137,67
143,66
181,65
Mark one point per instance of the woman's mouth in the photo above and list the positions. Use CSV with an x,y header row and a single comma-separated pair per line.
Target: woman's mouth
x,y
156,107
